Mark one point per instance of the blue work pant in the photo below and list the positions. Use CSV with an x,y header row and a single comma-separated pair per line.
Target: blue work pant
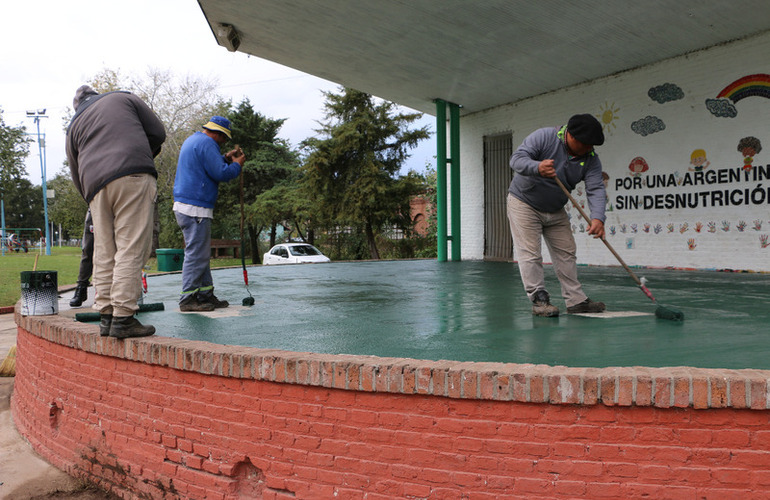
x,y
197,282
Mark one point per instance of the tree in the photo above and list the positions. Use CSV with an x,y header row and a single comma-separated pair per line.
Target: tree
x,y
269,163
183,104
352,175
14,148
67,208
23,204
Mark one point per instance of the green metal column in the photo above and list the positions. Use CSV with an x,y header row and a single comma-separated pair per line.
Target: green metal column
x,y
454,153
441,178
441,194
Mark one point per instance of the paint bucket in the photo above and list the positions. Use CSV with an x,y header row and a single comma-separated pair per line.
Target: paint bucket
x,y
39,293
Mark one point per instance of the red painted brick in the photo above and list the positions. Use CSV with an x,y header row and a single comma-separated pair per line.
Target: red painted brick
x,y
564,389
758,394
503,386
693,475
470,384
730,438
626,385
423,375
608,390
570,488
681,391
695,437
534,486
326,368
662,389
488,385
409,380
700,393
738,392
618,434
570,450
439,381
454,383
590,387
538,388
621,470
719,397
604,490
340,375
310,441
520,387
559,467
395,378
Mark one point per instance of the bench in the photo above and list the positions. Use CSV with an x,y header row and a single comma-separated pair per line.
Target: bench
x,y
220,248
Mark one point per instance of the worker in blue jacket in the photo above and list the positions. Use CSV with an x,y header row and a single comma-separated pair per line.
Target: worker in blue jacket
x,y
200,169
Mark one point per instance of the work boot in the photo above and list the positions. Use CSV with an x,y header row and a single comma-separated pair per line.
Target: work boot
x,y
193,305
218,304
541,305
124,327
81,295
587,306
105,322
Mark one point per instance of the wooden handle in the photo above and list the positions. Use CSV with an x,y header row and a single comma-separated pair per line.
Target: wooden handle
x,y
607,243
241,182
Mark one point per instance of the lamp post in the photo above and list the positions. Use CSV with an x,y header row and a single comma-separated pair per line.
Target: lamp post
x,y
36,116
3,240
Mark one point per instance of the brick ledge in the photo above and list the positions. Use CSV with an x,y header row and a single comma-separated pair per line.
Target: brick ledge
x,y
670,387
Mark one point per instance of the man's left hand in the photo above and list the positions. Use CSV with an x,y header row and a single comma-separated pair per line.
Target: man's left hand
x,y
596,229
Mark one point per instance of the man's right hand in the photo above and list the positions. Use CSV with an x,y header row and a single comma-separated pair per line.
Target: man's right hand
x,y
239,157
545,169
236,155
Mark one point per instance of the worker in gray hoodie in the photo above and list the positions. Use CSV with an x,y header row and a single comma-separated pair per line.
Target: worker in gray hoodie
x,y
111,143
536,208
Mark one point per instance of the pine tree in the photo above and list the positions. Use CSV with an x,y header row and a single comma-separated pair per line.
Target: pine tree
x,y
352,172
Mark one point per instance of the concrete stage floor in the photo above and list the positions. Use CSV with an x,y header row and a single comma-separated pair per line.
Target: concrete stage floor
x,y
477,311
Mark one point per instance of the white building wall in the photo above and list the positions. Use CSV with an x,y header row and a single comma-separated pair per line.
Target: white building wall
x,y
724,222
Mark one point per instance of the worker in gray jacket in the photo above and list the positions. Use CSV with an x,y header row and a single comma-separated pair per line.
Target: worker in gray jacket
x,y
536,208
111,143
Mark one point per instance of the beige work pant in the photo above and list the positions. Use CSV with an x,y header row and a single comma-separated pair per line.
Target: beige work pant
x,y
122,212
529,227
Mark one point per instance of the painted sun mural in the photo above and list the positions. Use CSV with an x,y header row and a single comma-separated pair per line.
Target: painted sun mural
x,y
608,116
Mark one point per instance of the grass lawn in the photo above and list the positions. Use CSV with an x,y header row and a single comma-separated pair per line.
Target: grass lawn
x,y
65,261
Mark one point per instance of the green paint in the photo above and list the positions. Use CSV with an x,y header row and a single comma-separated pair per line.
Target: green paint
x,y
477,311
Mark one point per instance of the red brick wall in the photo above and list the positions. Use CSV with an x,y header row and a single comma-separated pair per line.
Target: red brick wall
x,y
166,418
420,213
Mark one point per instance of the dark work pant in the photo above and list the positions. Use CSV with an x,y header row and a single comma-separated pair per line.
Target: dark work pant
x,y
87,255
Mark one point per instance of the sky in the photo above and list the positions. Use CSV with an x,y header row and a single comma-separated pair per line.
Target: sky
x,y
51,47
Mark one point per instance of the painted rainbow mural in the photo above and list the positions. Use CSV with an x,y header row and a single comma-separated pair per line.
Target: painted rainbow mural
x,y
750,85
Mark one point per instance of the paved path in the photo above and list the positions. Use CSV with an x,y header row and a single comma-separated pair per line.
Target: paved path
x,y
7,334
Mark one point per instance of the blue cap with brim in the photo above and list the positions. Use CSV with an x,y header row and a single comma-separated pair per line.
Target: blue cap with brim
x,y
219,124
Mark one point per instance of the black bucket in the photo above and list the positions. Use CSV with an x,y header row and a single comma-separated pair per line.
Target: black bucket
x,y
39,293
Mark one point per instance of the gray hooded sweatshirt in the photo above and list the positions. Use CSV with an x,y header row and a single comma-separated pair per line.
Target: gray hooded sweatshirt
x,y
111,135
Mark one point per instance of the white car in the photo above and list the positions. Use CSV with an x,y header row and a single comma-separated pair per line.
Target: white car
x,y
294,253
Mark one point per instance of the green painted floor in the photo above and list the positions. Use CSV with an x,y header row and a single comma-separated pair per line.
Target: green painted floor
x,y
477,311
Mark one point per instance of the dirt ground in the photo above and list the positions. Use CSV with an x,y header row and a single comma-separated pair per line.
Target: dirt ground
x,y
24,475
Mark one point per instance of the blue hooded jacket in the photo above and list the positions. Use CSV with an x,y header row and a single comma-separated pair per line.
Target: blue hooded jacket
x,y
200,169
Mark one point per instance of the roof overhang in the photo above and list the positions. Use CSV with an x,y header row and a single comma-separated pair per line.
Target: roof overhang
x,y
478,54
